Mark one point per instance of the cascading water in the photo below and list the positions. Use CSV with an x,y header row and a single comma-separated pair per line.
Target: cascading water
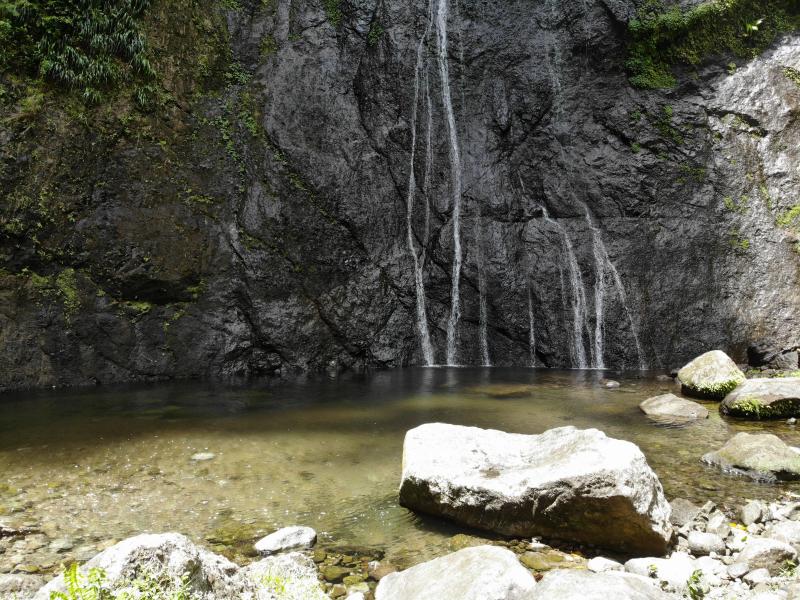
x,y
602,262
580,322
605,265
531,329
482,302
455,176
422,319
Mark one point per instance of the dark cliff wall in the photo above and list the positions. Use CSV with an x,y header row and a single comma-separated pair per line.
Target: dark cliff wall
x,y
254,219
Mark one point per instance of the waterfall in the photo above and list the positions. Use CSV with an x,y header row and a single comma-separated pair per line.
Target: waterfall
x,y
604,265
602,262
455,176
422,319
482,303
531,329
599,293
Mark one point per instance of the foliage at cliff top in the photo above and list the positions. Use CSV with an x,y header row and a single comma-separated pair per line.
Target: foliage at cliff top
x,y
660,38
89,46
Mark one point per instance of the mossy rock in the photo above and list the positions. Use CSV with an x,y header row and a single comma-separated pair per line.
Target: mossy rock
x,y
711,376
764,398
763,457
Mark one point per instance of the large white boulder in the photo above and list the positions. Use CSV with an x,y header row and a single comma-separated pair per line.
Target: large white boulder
x,y
577,485
711,375
477,573
571,584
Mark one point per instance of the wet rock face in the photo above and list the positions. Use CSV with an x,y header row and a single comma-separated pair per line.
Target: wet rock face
x,y
585,205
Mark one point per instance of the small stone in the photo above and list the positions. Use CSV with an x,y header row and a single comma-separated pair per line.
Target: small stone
x,y
319,555
334,574
738,570
718,525
600,564
61,545
287,538
703,544
791,421
609,384
356,596
353,579
751,512
338,590
755,528
683,512
203,456
379,570
757,576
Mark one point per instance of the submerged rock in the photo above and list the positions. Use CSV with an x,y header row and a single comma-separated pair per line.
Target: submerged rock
x,y
585,585
572,484
288,538
760,456
672,408
764,398
479,573
711,375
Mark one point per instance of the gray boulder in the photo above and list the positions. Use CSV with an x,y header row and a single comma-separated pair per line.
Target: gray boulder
x,y
766,553
764,398
672,408
711,375
785,531
760,456
570,584
291,576
19,587
572,484
287,538
168,558
478,573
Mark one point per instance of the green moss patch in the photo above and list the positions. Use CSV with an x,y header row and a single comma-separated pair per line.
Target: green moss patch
x,y
661,38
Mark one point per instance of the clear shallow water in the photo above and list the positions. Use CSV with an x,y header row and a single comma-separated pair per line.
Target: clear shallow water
x,y
102,464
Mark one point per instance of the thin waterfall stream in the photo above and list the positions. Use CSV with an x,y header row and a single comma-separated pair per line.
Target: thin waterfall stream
x,y
422,319
455,177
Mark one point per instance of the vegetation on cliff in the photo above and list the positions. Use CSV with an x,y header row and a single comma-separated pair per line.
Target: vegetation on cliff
x,y
661,38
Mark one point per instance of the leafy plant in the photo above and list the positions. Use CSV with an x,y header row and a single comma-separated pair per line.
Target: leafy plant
x,y
694,585
661,37
79,587
90,46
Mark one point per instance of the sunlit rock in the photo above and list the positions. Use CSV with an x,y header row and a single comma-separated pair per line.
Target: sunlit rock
x,y
566,483
711,375
760,456
471,574
775,398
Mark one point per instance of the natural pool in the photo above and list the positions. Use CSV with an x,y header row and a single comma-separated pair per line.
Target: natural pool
x,y
87,467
